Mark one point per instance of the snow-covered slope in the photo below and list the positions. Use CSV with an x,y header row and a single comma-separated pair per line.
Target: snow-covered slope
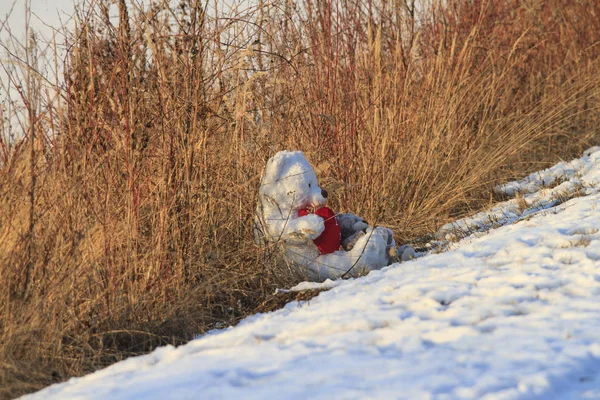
x,y
514,313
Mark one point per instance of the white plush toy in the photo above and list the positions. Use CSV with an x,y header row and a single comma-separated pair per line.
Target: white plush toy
x,y
288,194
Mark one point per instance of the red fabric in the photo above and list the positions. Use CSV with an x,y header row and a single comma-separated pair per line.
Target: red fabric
x,y
331,238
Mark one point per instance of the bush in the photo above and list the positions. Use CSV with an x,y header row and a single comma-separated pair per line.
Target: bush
x,y
126,204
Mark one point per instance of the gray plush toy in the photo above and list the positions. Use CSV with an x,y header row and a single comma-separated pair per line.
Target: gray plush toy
x,y
354,227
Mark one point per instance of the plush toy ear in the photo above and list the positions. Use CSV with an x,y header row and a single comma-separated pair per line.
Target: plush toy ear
x,y
273,168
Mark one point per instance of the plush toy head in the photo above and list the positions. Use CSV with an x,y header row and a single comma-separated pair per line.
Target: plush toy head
x,y
289,184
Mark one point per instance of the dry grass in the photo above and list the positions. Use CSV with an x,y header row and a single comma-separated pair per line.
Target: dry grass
x,y
126,211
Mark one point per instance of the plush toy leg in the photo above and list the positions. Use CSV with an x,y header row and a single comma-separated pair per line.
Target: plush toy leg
x,y
393,253
373,249
349,243
369,251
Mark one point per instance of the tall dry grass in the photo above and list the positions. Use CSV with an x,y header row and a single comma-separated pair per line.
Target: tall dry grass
x,y
126,208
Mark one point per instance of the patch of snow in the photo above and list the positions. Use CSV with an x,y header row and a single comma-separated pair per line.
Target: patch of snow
x,y
328,284
540,191
513,314
584,167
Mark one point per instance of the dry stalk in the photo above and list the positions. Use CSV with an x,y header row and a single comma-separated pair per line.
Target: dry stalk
x,y
127,195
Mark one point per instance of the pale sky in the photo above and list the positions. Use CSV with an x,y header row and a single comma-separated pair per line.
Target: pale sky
x,y
46,14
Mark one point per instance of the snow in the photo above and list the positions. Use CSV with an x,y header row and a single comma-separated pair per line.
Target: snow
x,y
513,313
325,285
570,179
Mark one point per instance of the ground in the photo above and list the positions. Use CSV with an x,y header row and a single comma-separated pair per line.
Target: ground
x,y
510,309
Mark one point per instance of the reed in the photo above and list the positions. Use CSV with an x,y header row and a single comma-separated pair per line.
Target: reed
x,y
127,189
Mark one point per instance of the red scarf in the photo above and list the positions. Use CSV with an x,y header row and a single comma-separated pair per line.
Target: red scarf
x,y
331,238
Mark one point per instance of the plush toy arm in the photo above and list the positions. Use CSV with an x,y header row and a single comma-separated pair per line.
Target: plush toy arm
x,y
307,227
360,225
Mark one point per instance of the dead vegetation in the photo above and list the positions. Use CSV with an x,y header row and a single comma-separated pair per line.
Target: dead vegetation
x,y
127,190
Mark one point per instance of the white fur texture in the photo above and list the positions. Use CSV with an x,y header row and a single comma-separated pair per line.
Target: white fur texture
x,y
289,184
